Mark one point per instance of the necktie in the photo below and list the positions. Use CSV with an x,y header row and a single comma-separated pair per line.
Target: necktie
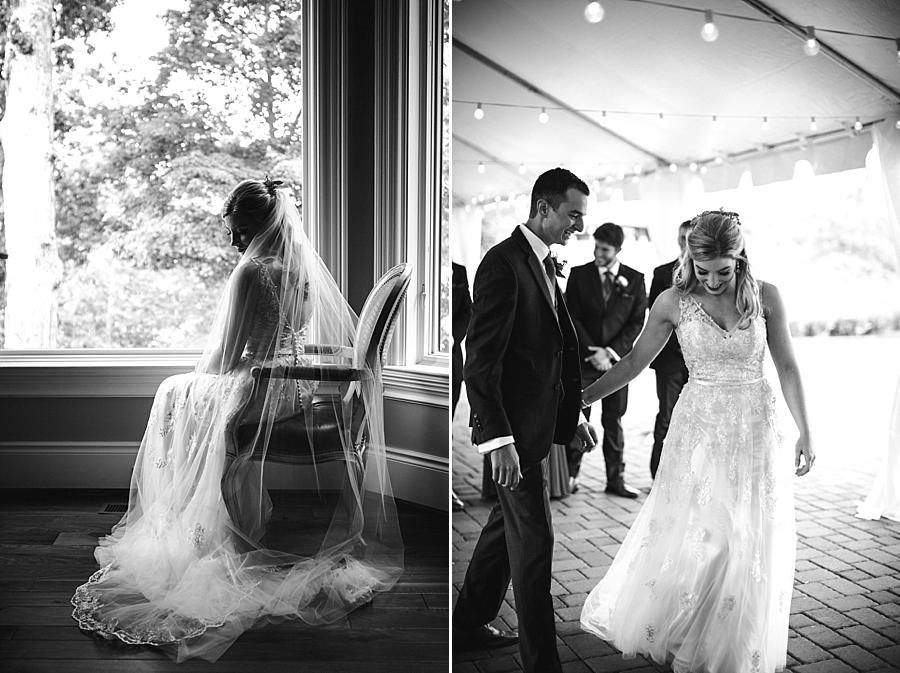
x,y
550,268
607,284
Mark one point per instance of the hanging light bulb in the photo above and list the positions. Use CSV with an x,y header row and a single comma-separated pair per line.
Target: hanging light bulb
x,y
709,32
703,169
897,42
813,126
543,117
811,45
693,166
857,125
715,118
765,124
479,112
673,168
897,124
719,160
638,169
593,12
522,169
481,167
635,179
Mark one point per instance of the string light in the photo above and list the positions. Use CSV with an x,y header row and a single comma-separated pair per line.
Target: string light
x,y
479,112
811,46
765,124
897,44
709,32
703,169
638,168
693,166
593,12
543,117
673,168
813,126
857,125
897,124
481,167
719,160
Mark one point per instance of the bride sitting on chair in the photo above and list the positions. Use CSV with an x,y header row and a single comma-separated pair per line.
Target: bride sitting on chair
x,y
186,568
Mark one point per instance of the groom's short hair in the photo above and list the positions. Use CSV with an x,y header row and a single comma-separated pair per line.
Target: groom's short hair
x,y
552,186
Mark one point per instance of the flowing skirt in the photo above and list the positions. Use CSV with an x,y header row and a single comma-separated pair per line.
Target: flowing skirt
x,y
179,570
703,579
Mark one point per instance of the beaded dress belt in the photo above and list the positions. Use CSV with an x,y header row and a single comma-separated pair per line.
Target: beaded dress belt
x,y
725,382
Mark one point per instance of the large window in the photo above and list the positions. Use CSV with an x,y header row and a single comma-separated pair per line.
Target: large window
x,y
123,131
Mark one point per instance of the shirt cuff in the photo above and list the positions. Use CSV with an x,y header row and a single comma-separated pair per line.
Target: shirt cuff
x,y
615,356
493,444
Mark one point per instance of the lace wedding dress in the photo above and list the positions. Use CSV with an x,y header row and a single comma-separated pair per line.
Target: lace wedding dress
x,y
704,576
182,572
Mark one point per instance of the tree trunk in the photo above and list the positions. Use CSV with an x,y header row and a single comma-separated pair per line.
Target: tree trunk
x,y
33,268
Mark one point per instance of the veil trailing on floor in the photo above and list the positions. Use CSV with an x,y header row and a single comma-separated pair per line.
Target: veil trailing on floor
x,y
188,567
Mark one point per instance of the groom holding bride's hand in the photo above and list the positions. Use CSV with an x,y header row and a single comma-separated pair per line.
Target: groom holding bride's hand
x,y
523,380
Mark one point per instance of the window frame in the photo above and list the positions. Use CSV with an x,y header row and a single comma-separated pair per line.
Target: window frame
x,y
403,37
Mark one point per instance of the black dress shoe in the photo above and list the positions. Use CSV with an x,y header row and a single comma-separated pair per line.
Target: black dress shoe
x,y
621,490
483,637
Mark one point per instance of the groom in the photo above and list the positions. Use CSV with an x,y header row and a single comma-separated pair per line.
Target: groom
x,y
523,382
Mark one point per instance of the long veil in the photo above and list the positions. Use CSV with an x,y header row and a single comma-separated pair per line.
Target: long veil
x,y
188,567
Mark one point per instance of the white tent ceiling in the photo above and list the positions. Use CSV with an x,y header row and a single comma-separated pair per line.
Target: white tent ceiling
x,y
646,58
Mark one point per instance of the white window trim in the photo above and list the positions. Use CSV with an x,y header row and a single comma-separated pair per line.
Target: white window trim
x,y
131,372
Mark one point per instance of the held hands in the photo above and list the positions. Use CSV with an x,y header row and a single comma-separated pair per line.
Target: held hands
x,y
505,466
585,438
804,448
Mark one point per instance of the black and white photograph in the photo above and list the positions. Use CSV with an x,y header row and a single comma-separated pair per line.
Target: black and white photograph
x,y
225,335
675,251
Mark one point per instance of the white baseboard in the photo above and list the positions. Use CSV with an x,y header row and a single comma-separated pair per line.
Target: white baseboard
x,y
416,476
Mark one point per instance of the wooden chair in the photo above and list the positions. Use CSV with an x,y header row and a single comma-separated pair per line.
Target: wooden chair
x,y
336,417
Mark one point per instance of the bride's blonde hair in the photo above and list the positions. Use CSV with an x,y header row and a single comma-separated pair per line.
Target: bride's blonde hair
x,y
715,234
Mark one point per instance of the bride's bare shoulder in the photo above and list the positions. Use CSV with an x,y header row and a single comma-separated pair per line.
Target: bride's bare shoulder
x,y
668,304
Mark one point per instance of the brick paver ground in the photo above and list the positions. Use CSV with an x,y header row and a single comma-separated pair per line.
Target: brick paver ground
x,y
845,613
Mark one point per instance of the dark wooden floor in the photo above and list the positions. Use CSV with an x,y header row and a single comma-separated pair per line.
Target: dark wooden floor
x,y
46,550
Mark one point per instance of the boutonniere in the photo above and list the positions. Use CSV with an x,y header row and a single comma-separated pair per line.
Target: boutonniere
x,y
622,282
558,264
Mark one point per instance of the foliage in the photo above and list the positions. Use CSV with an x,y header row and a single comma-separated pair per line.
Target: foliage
x,y
143,164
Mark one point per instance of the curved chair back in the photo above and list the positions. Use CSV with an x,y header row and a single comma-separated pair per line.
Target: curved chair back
x,y
379,314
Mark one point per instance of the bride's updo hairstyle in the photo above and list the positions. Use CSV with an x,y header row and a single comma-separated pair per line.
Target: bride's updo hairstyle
x,y
253,203
715,234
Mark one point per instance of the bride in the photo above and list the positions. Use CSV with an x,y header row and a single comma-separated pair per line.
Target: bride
x,y
704,577
184,571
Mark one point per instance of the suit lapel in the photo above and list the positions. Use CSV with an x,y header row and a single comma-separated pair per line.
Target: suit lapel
x,y
597,287
537,270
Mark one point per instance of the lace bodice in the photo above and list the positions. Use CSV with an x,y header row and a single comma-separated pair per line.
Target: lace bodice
x,y
266,320
715,355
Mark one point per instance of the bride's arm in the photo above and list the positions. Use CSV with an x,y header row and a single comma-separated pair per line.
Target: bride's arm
x,y
242,299
779,341
660,323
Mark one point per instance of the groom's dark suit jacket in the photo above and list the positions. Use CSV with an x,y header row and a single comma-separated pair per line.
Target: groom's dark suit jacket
x,y
615,323
522,370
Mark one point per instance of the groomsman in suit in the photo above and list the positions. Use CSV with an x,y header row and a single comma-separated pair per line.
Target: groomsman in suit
x,y
671,373
607,301
523,380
